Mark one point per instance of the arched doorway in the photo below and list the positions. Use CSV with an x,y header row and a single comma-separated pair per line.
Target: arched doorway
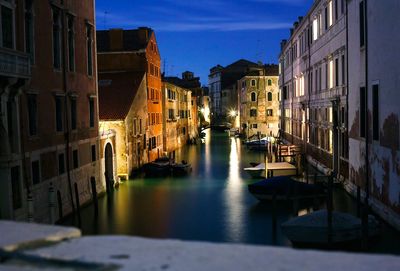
x,y
108,165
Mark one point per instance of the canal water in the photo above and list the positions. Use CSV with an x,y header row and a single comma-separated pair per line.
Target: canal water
x,y
211,204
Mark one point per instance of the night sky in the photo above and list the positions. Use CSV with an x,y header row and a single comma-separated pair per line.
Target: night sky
x,y
196,35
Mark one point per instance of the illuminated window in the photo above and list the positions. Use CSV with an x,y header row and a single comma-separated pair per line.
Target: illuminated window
x,y
315,29
330,13
330,73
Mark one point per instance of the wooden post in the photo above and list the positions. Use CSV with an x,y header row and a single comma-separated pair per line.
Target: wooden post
x,y
358,201
30,207
52,205
274,219
60,207
94,194
330,208
78,205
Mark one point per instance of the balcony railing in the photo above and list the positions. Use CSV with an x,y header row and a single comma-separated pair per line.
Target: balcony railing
x,y
14,64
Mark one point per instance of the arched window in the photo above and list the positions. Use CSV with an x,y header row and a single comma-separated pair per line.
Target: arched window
x,y
253,97
253,112
269,82
269,96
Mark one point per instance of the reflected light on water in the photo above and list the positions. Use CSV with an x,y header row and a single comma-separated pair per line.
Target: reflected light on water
x,y
207,153
234,195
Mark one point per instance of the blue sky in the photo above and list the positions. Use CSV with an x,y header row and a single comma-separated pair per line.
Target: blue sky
x,y
196,35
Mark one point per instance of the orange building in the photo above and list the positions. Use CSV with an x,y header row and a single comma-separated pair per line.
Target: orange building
x,y
136,51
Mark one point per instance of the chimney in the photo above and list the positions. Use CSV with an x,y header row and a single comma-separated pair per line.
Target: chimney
x,y
143,34
300,19
295,25
116,39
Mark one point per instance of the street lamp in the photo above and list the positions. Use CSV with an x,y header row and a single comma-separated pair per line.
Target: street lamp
x,y
232,113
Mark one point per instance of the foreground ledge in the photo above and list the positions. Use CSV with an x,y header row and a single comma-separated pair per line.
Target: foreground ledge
x,y
133,253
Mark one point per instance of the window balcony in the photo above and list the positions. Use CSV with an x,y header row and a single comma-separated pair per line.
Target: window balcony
x,y
14,64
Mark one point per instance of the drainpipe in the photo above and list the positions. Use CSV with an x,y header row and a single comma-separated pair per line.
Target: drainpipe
x,y
65,88
366,203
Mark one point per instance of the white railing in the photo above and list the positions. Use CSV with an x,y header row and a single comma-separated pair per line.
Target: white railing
x,y
14,63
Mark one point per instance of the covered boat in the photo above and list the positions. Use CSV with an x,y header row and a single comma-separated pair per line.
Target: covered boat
x,y
181,169
160,166
285,188
256,171
312,229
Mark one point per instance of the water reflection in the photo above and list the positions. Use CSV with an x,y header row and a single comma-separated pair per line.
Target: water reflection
x,y
211,204
234,195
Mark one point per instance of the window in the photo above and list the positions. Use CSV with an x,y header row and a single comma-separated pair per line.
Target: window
x,y
253,112
269,112
362,24
71,43
337,72
253,97
330,13
56,38
342,6
254,125
336,9
269,96
253,83
59,114
315,29
269,82
134,127
73,113
32,112
93,152
375,111
184,130
35,172
7,27
171,114
91,113
61,164
330,72
362,111
16,188
343,71
140,126
29,29
89,44
75,159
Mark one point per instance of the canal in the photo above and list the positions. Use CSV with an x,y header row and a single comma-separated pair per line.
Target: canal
x,y
211,204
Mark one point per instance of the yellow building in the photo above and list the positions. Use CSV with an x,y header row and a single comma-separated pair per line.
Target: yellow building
x,y
123,111
178,117
259,102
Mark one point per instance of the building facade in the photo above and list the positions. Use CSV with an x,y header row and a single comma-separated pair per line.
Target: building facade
x,y
374,69
50,153
123,110
179,119
137,51
313,83
258,102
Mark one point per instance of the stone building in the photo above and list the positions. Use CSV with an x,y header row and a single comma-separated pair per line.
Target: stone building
x,y
339,73
223,89
258,102
136,51
314,87
374,69
49,125
179,117
123,110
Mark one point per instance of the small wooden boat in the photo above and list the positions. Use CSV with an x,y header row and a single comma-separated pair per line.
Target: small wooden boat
x,y
160,166
256,171
285,188
181,169
312,229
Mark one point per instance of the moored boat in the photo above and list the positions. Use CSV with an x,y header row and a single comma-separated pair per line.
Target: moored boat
x,y
160,166
180,169
312,229
256,171
284,188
